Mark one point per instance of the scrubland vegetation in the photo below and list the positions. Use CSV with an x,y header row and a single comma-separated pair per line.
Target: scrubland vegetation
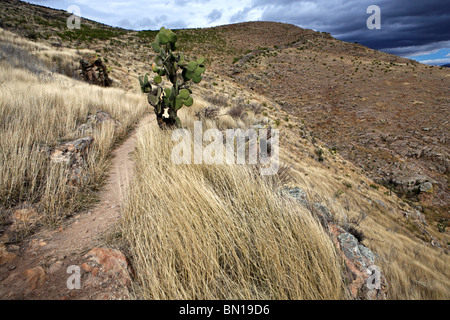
x,y
221,232
40,108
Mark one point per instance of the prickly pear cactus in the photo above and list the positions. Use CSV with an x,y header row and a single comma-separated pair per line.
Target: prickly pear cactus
x,y
179,71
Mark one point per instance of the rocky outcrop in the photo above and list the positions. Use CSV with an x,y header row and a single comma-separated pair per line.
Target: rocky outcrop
x,y
94,71
297,194
95,120
73,154
365,281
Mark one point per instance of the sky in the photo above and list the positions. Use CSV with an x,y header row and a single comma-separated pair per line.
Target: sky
x,y
415,29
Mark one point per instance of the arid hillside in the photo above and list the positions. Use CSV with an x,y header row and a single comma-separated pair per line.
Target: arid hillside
x,y
387,115
364,162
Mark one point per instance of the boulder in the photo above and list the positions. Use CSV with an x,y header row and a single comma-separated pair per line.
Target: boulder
x,y
94,71
359,254
72,152
34,278
55,267
99,117
110,262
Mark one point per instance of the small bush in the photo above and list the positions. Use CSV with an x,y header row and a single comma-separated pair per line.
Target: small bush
x,y
236,111
218,100
357,233
255,107
207,113
374,186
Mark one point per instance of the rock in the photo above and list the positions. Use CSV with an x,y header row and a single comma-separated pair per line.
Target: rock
x,y
73,154
359,261
351,248
13,247
381,203
94,71
24,219
100,117
323,214
426,187
297,194
111,262
368,255
94,120
34,278
415,215
323,210
55,267
5,255
91,269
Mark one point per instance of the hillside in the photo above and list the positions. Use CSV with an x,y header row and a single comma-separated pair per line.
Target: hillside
x,y
363,134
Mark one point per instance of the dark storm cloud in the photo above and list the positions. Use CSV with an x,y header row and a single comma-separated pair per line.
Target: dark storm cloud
x,y
408,24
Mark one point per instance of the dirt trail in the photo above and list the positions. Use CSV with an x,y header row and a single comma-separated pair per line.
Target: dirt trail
x,y
54,251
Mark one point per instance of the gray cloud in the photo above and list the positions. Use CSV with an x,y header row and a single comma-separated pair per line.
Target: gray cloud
x,y
189,2
214,15
240,16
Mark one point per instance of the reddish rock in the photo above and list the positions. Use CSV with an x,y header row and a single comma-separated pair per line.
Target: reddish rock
x,y
359,262
6,256
111,262
86,267
34,278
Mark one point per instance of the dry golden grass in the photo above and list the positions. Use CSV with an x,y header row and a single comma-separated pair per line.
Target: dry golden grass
x,y
180,219
221,232
413,268
38,58
36,112
206,232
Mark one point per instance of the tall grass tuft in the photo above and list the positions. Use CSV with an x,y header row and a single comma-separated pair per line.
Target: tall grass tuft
x,y
221,232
